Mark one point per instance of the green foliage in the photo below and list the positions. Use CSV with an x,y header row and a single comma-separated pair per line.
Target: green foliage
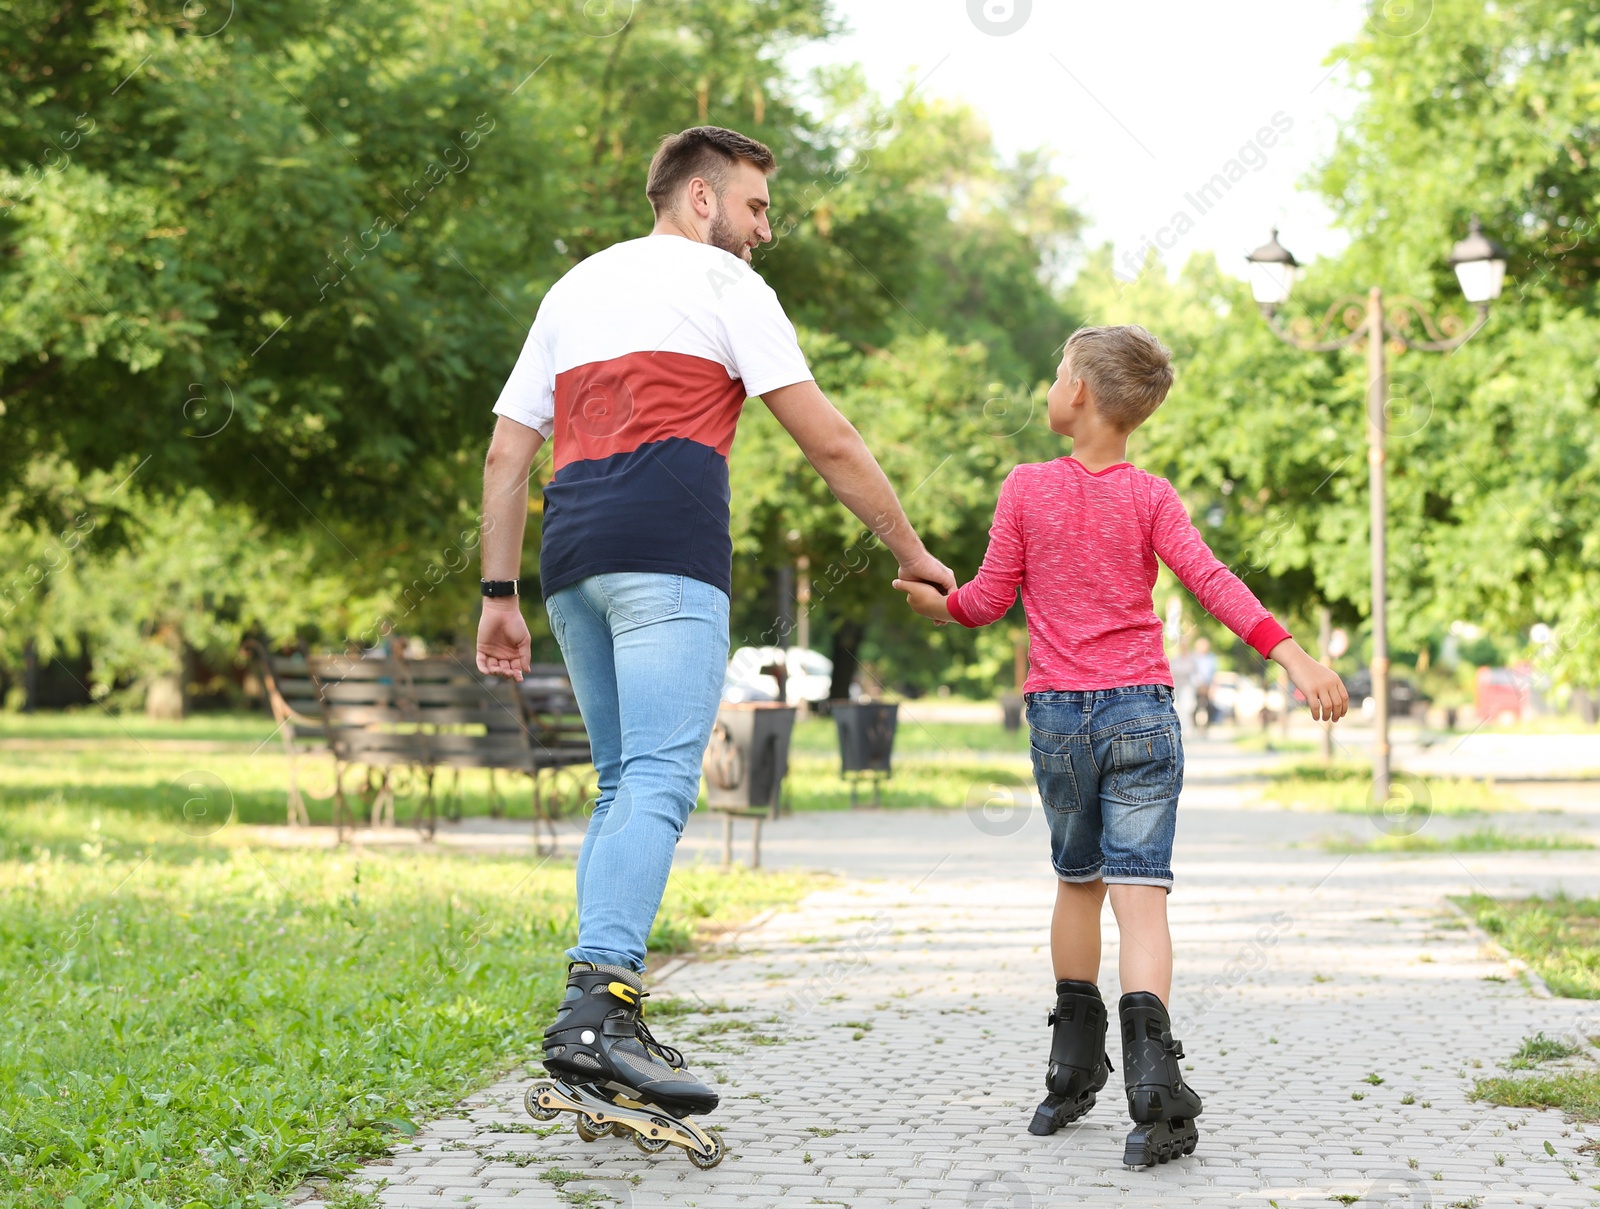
x,y
278,261
1489,110
276,264
335,224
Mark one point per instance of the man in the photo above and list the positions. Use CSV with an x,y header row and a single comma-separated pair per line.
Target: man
x,y
639,362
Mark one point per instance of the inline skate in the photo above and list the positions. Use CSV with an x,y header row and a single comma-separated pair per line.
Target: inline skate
x,y
1162,1105
1079,1064
614,1076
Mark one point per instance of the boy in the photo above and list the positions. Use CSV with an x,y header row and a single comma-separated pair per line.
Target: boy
x,y
1080,536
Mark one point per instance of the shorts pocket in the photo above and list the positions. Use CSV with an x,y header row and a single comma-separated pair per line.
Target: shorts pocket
x,y
640,598
1144,766
1056,776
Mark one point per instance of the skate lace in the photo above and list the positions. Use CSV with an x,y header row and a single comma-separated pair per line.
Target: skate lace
x,y
672,1057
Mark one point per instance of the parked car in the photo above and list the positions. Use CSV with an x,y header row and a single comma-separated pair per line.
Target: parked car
x,y
1405,698
1249,697
808,675
1502,694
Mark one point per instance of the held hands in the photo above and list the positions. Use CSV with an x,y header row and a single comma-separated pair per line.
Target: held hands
x,y
926,582
925,566
504,645
1324,692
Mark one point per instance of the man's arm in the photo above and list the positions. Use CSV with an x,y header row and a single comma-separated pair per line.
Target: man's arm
x,y
836,451
504,646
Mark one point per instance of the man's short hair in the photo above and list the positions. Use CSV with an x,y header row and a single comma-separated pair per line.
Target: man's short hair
x,y
708,152
1127,368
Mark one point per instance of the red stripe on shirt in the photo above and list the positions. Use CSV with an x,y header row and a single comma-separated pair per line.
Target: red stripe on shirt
x,y
615,406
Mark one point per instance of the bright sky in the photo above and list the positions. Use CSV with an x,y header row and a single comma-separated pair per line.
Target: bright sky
x,y
1142,102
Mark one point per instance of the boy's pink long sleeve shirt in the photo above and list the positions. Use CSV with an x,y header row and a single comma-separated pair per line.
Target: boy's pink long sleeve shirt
x,y
1082,545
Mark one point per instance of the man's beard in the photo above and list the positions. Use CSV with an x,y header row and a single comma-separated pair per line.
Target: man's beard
x,y
722,235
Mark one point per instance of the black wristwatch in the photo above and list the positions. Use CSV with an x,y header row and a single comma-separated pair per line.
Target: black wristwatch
x,y
499,587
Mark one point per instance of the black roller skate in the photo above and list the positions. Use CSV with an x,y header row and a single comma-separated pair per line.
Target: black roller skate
x,y
1162,1105
614,1075
1079,1064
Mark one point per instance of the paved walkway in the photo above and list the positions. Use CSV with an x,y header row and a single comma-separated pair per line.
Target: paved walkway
x,y
884,1044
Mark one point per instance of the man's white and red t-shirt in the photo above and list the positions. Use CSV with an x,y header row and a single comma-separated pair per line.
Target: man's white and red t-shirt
x,y
639,362
1082,545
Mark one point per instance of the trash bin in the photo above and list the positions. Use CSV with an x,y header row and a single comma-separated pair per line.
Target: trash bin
x,y
866,735
748,755
866,742
1011,710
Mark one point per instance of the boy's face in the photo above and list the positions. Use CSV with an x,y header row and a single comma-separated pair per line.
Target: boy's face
x,y
1063,418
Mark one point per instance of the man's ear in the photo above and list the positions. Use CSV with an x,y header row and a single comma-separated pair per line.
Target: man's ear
x,y
701,197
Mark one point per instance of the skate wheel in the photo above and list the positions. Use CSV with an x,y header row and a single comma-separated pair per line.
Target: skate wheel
x,y
536,1110
591,1132
649,1145
707,1161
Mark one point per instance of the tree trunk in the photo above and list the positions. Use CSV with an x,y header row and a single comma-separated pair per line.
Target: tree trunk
x,y
30,677
847,636
163,697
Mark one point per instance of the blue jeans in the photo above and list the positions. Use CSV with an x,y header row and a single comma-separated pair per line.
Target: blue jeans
x,y
647,654
1109,763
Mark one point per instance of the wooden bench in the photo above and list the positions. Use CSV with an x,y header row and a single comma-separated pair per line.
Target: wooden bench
x,y
398,717
369,724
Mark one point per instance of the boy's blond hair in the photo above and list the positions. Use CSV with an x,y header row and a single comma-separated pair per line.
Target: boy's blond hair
x,y
1127,368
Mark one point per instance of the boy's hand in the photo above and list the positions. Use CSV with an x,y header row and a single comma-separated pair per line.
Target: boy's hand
x,y
924,599
1324,692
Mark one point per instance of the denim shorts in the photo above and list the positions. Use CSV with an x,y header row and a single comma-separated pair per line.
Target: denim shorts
x,y
1109,763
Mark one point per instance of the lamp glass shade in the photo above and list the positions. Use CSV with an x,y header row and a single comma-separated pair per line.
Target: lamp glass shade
x,y
1271,281
1481,279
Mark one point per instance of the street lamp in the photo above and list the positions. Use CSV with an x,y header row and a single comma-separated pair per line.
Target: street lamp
x,y
1480,266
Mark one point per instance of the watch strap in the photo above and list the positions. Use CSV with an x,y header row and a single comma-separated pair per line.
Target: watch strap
x,y
499,587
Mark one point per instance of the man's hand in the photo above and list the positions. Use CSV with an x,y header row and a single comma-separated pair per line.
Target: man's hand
x,y
924,599
926,566
1324,692
504,646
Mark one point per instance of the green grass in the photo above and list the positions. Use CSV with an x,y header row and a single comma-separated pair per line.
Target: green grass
x,y
1539,1048
1483,839
1575,1091
1254,740
1558,937
204,1021
93,723
820,737
1346,787
815,782
140,769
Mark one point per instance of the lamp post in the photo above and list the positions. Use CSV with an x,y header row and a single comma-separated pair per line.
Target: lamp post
x,y
1480,266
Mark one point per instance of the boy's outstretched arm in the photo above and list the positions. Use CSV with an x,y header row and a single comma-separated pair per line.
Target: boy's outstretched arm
x,y
1224,595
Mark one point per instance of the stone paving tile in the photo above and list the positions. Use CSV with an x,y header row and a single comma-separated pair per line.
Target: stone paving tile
x,y
884,1044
